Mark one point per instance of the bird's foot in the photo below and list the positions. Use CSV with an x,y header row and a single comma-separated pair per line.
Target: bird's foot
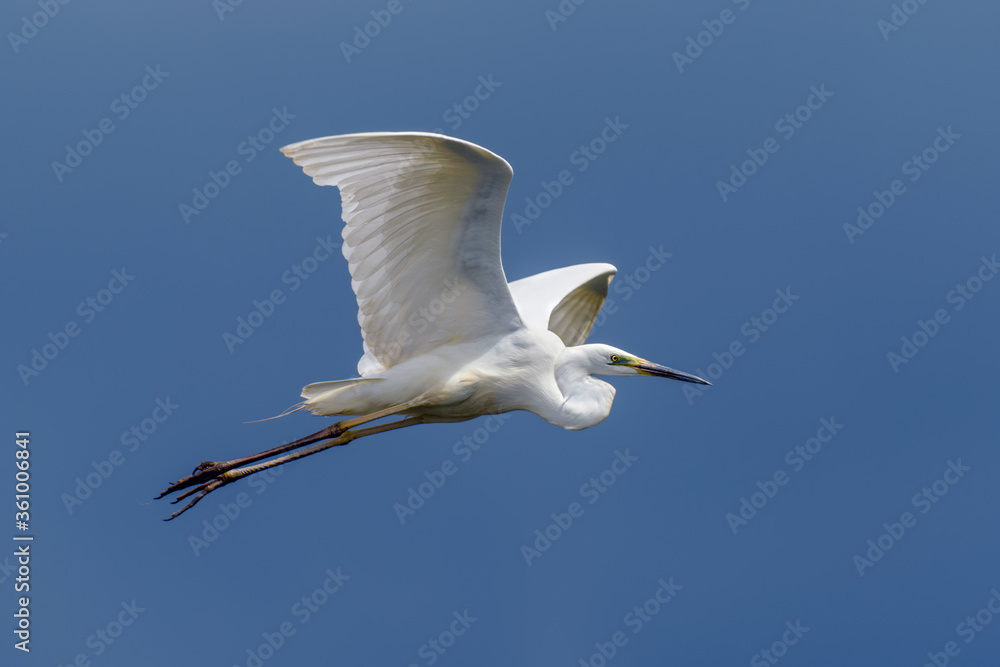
x,y
207,477
205,471
219,481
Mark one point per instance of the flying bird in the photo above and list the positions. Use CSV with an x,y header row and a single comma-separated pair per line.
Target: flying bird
x,y
446,337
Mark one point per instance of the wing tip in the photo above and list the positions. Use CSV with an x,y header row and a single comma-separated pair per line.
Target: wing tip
x,y
452,143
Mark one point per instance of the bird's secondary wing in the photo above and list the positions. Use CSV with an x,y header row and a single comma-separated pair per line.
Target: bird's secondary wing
x,y
422,237
565,301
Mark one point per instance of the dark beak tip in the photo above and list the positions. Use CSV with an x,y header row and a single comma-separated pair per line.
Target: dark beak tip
x,y
662,371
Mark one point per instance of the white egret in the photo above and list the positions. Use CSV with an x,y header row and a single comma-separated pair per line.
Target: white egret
x,y
446,338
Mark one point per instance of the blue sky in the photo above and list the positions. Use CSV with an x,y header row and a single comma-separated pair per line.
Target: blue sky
x,y
830,500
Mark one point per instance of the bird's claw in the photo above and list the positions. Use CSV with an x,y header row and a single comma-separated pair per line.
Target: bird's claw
x,y
206,477
206,471
205,465
202,491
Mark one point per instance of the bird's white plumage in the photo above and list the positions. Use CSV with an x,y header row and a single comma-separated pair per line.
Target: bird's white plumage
x,y
565,301
445,336
422,238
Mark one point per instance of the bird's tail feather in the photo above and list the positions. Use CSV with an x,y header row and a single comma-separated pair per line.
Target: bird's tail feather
x,y
290,410
339,397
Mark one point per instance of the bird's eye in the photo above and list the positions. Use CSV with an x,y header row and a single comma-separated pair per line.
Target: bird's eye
x,y
615,358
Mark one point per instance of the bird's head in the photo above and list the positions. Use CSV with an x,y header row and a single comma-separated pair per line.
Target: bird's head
x,y
607,360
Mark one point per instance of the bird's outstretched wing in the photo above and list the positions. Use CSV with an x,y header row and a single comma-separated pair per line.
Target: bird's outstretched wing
x,y
565,301
422,238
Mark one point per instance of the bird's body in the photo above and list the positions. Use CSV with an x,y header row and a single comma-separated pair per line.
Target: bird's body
x,y
446,337
527,369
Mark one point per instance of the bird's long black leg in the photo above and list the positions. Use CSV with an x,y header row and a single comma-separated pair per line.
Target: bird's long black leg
x,y
208,470
231,475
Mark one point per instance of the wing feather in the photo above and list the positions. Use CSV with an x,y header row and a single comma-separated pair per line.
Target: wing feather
x,y
422,219
565,301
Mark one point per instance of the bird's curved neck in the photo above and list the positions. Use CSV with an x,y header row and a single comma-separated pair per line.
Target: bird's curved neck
x,y
586,401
